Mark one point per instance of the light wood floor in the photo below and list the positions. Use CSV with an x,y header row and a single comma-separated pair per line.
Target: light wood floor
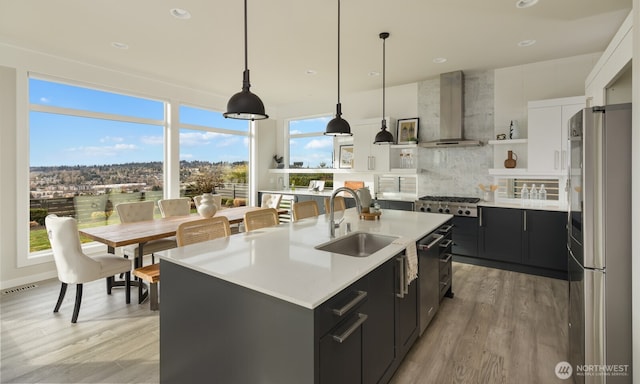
x,y
501,327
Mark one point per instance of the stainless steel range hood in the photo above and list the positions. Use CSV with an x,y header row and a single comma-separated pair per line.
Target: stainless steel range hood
x,y
451,113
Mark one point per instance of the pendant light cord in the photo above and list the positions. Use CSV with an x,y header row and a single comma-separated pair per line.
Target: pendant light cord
x,y
384,71
338,51
246,40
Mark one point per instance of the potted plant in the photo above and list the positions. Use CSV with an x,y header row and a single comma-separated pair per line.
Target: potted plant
x,y
278,160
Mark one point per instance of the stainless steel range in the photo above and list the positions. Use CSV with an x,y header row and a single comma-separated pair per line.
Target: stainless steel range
x,y
457,206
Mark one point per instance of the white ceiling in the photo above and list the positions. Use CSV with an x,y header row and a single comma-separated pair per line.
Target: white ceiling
x,y
289,37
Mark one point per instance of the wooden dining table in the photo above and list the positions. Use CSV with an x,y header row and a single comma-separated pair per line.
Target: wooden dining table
x,y
119,235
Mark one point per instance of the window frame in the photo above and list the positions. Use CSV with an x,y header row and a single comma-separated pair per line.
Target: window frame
x,y
25,257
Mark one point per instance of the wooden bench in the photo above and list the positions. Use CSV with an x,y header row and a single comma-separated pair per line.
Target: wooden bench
x,y
150,274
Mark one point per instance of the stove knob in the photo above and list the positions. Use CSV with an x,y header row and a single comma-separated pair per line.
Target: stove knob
x,y
440,209
428,208
460,211
467,212
447,210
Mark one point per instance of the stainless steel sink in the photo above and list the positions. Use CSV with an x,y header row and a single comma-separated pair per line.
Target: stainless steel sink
x,y
357,244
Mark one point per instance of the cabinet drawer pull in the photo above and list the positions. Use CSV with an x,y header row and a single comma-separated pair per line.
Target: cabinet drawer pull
x,y
445,261
445,228
402,277
341,311
525,221
345,335
424,247
446,243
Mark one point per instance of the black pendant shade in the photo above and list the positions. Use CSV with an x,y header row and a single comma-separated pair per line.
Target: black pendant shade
x,y
338,126
384,136
245,105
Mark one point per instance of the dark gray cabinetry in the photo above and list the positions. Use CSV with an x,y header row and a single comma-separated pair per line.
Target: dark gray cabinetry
x,y
500,234
208,326
340,324
378,345
407,318
546,239
524,240
465,236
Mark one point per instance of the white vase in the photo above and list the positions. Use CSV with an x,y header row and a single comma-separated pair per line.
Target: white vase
x,y
207,207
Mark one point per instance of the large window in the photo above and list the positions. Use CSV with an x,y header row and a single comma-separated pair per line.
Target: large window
x,y
310,149
308,146
90,150
214,155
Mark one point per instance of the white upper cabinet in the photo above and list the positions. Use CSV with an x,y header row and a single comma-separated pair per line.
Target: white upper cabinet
x,y
369,157
547,126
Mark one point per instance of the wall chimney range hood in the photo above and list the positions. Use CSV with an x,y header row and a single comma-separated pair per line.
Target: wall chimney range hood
x,y
451,113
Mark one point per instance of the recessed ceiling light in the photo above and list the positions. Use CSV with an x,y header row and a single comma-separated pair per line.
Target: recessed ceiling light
x,y
439,60
374,73
119,45
179,13
526,43
525,3
311,72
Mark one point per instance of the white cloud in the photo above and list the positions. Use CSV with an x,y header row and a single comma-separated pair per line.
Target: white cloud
x,y
45,100
191,139
152,140
101,151
111,139
186,156
319,143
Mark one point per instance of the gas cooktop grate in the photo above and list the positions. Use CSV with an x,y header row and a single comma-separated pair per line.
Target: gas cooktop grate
x,y
451,199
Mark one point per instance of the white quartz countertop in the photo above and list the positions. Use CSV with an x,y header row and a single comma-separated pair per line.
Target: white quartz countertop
x,y
531,204
282,261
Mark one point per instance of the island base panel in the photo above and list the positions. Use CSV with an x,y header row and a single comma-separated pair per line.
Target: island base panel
x,y
212,331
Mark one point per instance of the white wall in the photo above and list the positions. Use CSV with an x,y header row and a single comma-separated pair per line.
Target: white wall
x,y
516,86
635,261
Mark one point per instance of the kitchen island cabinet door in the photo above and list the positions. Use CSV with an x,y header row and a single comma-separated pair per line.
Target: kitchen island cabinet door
x,y
341,361
500,236
378,344
546,239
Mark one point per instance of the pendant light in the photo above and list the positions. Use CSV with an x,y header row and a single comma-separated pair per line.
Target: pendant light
x,y
245,105
338,126
384,136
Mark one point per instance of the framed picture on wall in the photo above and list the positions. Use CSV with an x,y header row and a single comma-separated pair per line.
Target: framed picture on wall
x,y
408,130
346,156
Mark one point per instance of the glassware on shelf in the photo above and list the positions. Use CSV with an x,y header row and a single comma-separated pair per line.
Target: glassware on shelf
x,y
533,194
524,193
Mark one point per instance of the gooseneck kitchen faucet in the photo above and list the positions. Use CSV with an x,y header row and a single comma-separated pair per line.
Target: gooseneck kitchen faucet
x,y
332,224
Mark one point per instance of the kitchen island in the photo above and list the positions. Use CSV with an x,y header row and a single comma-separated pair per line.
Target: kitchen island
x,y
255,307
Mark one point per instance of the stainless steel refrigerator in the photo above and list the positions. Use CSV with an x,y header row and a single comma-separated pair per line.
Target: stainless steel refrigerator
x,y
599,244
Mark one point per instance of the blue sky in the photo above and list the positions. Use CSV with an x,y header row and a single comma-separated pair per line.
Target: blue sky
x,y
58,139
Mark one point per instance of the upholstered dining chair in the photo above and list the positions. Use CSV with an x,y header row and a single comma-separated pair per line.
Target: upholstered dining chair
x,y
338,204
305,209
261,218
75,267
175,207
271,200
202,230
142,211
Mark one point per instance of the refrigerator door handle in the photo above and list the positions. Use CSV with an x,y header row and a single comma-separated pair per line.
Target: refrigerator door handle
x,y
594,317
592,160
